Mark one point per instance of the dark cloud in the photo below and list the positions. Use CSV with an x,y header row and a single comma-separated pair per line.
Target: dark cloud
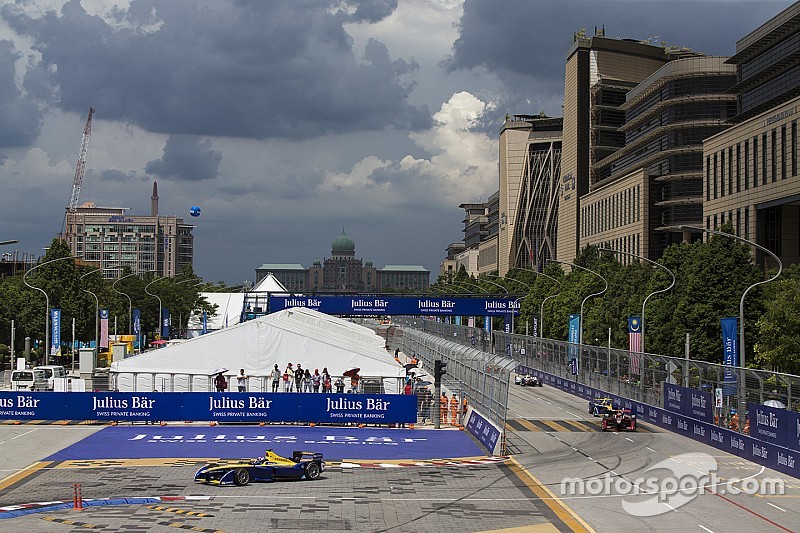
x,y
525,43
240,69
20,118
112,174
186,159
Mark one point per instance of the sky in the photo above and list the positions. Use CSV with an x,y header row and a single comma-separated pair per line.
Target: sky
x,y
287,121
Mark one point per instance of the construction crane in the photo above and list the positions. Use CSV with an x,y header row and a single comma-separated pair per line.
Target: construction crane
x,y
77,181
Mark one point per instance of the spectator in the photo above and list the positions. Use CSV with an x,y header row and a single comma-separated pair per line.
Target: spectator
x,y
220,383
407,388
241,381
326,380
288,378
307,381
339,385
299,375
443,409
276,378
354,379
316,379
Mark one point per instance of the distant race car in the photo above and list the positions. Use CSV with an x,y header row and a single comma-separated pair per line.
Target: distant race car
x,y
271,467
619,420
601,406
518,379
531,381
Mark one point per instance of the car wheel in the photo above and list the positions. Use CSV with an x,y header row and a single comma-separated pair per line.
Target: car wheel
x,y
312,470
241,477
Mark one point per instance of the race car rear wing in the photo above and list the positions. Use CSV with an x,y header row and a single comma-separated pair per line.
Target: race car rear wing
x,y
298,456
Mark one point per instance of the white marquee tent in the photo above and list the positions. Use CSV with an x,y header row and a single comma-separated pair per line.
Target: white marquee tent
x,y
231,304
297,335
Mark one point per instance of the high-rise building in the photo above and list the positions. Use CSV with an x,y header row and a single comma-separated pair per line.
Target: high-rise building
x,y
599,73
113,240
530,168
644,192
750,170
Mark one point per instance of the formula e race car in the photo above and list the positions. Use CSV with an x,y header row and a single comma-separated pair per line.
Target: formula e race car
x,y
601,406
620,420
531,381
271,467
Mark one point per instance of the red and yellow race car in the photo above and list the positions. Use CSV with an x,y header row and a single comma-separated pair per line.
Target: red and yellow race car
x,y
619,420
271,467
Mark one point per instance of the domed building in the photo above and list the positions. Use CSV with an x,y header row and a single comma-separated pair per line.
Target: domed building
x,y
344,272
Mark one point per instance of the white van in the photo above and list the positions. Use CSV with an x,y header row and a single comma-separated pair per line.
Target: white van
x,y
30,379
51,372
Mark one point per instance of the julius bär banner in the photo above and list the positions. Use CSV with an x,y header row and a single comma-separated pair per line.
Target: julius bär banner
x,y
202,406
398,305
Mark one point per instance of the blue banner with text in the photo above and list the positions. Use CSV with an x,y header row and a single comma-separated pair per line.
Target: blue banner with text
x,y
205,406
397,305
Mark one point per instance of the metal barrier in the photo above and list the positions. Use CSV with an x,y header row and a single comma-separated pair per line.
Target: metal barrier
x,y
479,376
638,376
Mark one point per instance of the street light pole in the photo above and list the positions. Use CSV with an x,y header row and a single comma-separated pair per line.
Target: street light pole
x,y
158,328
580,331
96,312
47,304
130,303
742,390
652,293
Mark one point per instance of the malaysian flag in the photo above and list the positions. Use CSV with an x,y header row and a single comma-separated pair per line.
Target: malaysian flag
x,y
634,341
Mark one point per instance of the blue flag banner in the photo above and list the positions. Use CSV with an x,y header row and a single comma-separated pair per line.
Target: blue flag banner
x,y
55,336
730,352
204,329
104,328
137,321
165,323
487,324
574,339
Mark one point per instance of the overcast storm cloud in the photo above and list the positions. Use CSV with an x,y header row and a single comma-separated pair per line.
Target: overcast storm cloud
x,y
286,120
238,69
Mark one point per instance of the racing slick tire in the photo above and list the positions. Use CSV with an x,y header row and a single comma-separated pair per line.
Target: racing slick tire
x,y
312,470
241,477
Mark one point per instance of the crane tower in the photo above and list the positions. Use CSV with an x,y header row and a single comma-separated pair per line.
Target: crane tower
x,y
77,181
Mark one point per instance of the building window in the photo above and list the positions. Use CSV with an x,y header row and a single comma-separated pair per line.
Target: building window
x,y
722,174
784,152
764,159
793,140
774,154
730,170
738,163
747,223
715,176
708,178
755,162
746,165
738,222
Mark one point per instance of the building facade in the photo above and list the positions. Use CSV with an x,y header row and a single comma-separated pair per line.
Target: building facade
x,y
750,169
113,240
599,73
530,168
344,272
667,116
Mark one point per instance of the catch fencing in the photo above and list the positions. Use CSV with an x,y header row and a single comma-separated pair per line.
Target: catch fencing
x,y
478,375
638,376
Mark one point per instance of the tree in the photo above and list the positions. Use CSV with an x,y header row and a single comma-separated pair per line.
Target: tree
x,y
778,329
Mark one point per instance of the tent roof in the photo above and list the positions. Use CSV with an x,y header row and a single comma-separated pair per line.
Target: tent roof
x,y
296,335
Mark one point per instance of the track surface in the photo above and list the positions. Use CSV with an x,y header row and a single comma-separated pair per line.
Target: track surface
x,y
550,436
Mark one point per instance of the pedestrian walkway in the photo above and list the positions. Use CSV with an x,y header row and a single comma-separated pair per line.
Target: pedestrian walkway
x,y
563,426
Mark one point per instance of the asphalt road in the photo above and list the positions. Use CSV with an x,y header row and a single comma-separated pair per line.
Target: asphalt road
x,y
553,456
551,437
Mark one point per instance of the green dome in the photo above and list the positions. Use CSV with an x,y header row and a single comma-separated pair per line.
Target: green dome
x,y
343,243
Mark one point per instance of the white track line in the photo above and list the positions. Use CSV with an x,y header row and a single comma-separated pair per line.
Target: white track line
x,y
776,507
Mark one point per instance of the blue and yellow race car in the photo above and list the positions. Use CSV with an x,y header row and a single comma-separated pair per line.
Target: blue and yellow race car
x,y
271,467
601,406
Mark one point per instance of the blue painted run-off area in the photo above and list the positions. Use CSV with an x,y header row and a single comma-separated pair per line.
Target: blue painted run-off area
x,y
336,443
